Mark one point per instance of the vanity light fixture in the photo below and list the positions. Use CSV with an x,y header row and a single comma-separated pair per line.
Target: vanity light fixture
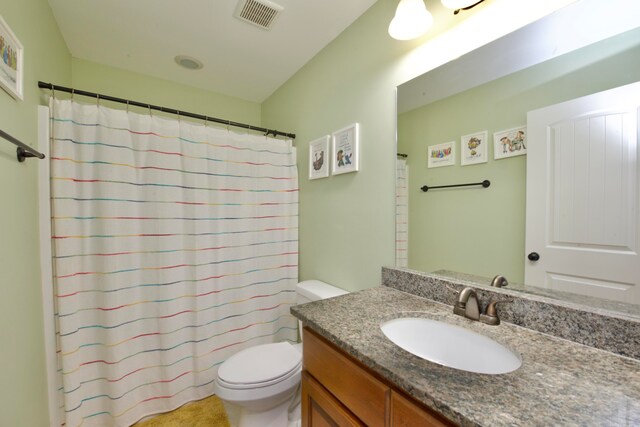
x,y
458,5
412,20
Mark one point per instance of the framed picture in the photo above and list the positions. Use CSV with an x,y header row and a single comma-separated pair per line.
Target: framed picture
x,y
510,142
345,149
441,155
473,148
11,55
319,158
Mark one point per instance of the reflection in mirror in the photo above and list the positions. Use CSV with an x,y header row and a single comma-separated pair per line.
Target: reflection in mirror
x,y
625,308
475,233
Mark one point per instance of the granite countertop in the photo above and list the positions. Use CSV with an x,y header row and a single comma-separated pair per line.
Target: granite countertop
x,y
559,383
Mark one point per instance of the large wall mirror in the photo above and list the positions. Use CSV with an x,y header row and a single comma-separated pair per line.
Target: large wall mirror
x,y
476,233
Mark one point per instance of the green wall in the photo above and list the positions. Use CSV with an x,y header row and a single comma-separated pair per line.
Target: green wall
x,y
23,395
347,221
120,83
479,231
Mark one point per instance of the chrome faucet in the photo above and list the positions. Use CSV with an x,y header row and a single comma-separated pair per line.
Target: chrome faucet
x,y
499,281
467,304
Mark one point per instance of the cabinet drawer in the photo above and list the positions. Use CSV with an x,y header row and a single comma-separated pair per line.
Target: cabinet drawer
x,y
405,413
358,390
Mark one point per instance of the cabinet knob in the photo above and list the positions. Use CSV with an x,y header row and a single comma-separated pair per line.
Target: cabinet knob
x,y
533,256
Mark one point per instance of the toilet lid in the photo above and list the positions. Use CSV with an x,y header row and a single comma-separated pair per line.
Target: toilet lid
x,y
266,363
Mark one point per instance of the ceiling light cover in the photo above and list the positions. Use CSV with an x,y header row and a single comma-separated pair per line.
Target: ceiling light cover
x,y
458,4
412,20
188,62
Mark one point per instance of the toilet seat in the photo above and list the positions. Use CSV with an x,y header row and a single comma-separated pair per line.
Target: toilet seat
x,y
260,366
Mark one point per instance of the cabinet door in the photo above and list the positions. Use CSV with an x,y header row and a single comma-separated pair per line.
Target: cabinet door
x,y
321,409
351,384
405,413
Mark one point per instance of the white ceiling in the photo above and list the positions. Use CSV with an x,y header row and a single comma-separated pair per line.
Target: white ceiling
x,y
240,60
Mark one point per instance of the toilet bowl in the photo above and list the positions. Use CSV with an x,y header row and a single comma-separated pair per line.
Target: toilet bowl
x,y
264,380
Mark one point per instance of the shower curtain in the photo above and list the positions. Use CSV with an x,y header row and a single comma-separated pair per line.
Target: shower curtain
x,y
402,212
175,245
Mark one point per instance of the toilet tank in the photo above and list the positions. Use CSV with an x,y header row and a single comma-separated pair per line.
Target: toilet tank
x,y
314,290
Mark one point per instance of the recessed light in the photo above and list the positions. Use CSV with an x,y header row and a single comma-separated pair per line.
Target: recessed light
x,y
188,62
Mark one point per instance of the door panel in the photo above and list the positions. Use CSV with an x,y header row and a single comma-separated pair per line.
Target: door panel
x,y
587,286
582,195
589,176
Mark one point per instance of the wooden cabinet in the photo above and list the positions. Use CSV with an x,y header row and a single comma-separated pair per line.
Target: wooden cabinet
x,y
339,391
358,390
404,413
320,408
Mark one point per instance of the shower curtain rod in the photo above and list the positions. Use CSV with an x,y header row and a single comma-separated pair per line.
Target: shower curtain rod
x,y
43,85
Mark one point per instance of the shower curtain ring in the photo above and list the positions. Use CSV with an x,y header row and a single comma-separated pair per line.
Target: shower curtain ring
x,y
73,92
228,124
127,105
98,100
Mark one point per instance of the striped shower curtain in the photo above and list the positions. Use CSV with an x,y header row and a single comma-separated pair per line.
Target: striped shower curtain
x,y
175,245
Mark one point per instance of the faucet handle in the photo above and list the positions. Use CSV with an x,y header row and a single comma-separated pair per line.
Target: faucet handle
x,y
490,317
499,281
491,308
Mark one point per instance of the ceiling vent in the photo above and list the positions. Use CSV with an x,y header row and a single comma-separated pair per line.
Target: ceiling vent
x,y
261,13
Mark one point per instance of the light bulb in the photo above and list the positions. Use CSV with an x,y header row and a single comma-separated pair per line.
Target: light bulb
x,y
412,20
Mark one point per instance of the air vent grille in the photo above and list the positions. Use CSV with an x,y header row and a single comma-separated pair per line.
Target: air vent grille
x,y
261,13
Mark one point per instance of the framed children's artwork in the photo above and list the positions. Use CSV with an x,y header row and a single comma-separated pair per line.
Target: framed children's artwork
x,y
319,158
510,142
11,54
441,155
345,150
473,148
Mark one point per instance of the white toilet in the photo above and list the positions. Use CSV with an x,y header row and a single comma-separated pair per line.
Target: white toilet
x,y
264,380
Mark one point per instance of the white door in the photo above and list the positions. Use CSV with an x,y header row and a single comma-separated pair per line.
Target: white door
x,y
583,219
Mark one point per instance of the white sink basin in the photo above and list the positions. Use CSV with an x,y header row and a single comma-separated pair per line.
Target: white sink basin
x,y
451,345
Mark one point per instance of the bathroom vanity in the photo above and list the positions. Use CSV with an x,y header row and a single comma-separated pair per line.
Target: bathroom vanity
x,y
354,375
337,389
